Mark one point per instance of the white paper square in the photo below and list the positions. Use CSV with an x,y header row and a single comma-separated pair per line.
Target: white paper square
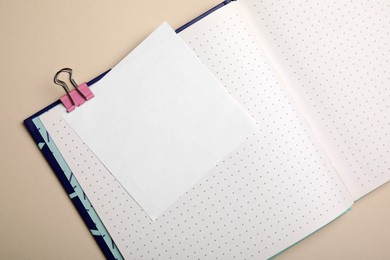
x,y
160,121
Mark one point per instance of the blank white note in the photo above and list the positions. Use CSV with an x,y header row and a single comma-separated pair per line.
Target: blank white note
x,y
160,121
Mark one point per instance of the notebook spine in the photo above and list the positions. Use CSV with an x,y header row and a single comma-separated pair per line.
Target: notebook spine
x,y
200,17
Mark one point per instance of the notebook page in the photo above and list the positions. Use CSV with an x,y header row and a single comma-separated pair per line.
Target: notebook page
x,y
269,193
334,59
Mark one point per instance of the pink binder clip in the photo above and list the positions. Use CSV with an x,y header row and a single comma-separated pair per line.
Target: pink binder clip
x,y
77,96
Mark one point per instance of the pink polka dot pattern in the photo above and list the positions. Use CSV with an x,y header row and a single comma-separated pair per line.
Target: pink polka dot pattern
x,y
335,58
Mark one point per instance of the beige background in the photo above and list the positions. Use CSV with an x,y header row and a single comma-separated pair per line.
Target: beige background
x,y
37,38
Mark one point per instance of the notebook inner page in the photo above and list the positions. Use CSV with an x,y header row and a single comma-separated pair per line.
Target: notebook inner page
x,y
160,121
269,193
334,58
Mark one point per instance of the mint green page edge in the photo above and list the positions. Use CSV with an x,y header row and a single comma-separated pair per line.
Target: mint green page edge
x,y
281,252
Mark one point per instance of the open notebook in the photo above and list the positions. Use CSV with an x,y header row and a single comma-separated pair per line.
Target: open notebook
x,y
314,77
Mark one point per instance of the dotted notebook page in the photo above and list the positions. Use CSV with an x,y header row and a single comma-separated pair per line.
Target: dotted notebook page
x,y
334,58
269,193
